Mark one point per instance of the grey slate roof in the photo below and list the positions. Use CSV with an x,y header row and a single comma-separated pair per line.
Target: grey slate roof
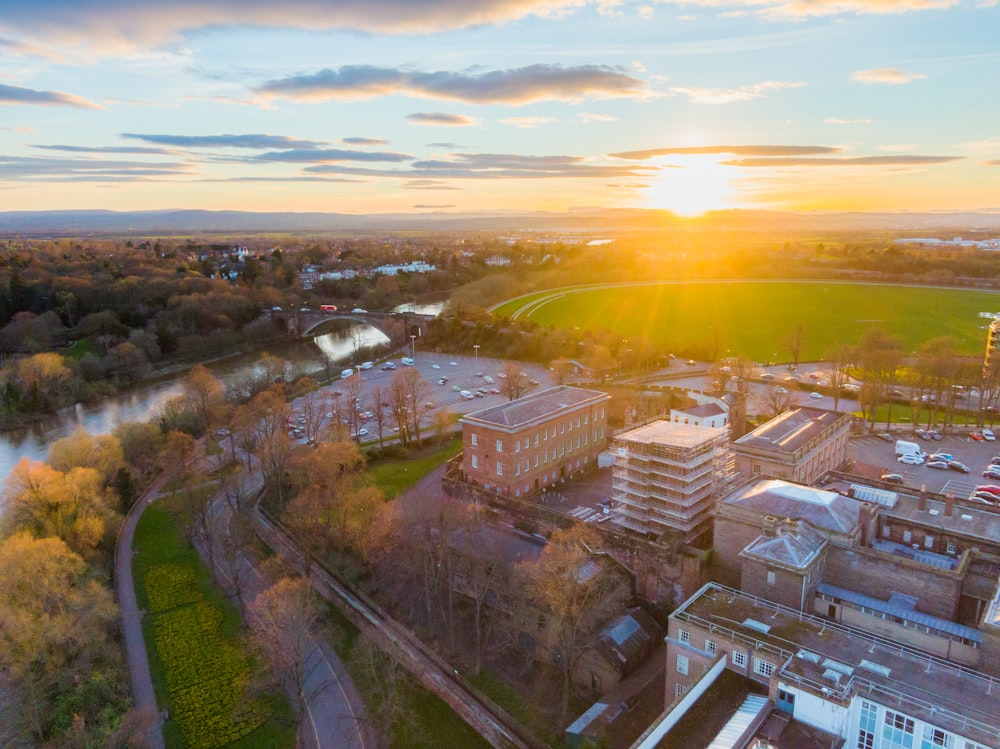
x,y
783,499
534,406
795,548
703,410
789,431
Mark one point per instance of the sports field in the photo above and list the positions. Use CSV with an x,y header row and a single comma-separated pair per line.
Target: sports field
x,y
755,319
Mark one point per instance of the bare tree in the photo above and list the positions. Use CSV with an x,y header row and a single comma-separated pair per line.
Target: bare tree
x,y
515,382
796,342
379,399
282,619
777,400
352,408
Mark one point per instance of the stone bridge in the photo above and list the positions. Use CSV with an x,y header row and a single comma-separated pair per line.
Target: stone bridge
x,y
397,326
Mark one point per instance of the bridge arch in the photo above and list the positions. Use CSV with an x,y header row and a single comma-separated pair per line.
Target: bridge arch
x,y
397,326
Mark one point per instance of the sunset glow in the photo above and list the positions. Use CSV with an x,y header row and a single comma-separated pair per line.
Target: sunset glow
x,y
437,105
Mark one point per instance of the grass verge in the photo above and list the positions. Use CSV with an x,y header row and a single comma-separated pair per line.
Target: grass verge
x,y
198,664
393,477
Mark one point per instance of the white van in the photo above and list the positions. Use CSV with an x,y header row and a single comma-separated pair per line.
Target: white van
x,y
908,448
346,373
406,361
466,395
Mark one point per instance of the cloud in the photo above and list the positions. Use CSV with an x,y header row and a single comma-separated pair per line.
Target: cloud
x,y
730,95
587,117
17,95
433,206
839,121
783,10
39,169
728,150
299,178
993,162
494,166
105,149
891,76
326,155
449,146
515,86
444,119
645,12
847,161
257,141
528,122
365,141
897,147
428,184
118,26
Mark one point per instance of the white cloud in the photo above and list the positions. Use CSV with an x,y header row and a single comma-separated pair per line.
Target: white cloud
x,y
527,122
587,117
891,76
730,95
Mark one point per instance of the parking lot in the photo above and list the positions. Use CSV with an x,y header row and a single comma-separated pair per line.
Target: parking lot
x,y
874,451
467,373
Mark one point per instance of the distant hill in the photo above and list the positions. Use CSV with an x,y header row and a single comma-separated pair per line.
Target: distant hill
x,y
94,222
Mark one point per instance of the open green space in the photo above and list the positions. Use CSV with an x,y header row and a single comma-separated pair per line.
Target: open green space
x,y
394,475
192,634
755,319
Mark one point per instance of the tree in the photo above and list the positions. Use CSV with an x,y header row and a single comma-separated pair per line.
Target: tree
x,y
54,623
379,403
777,400
514,382
880,356
282,619
563,370
572,600
103,453
140,443
205,395
796,342
75,506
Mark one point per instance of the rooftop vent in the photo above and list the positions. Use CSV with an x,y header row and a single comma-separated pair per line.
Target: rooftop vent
x,y
876,668
759,626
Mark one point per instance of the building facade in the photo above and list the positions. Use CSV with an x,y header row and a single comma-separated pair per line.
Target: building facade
x,y
667,475
799,445
519,448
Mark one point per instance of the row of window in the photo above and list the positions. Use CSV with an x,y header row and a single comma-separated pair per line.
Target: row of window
x,y
898,732
552,454
582,420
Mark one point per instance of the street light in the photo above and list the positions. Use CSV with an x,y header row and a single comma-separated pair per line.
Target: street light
x,y
413,347
476,347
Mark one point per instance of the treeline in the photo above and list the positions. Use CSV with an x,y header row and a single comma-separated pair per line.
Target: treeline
x,y
63,680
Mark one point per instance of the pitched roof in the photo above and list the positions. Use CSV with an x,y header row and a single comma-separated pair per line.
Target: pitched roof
x,y
796,548
790,430
783,499
535,406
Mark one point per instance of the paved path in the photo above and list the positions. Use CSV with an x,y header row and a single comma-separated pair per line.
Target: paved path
x,y
143,696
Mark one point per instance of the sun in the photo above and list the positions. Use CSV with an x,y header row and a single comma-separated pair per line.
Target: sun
x,y
691,185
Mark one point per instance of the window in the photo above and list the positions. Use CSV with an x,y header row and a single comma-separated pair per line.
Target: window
x,y
952,548
536,460
517,446
475,461
763,668
682,664
897,731
527,442
679,690
907,537
710,647
934,737
866,725
517,468
536,439
771,577
475,439
756,468
928,542
499,469
499,446
586,418
739,658
541,622
684,636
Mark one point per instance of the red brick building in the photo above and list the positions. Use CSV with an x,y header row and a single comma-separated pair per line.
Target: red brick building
x,y
520,447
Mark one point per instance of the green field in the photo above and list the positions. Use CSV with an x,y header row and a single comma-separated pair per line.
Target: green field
x,y
755,319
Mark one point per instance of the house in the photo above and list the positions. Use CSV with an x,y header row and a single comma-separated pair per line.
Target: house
x,y
618,650
520,447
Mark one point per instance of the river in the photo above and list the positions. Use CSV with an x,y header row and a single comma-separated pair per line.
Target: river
x,y
141,402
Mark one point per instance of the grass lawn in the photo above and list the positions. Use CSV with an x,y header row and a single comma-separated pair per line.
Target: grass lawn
x,y
755,319
196,657
514,703
395,476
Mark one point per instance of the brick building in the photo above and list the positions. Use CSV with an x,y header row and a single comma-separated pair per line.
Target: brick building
x,y
799,445
520,447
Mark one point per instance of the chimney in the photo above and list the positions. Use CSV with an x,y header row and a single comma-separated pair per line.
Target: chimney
x,y
922,498
769,527
949,504
789,525
866,519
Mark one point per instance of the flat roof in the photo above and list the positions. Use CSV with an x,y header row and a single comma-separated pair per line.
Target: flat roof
x,y
783,499
671,434
702,410
839,661
791,430
535,406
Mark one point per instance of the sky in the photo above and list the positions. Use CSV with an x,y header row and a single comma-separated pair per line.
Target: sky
x,y
381,106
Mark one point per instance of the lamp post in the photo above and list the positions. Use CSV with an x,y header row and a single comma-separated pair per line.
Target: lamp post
x,y
476,347
413,347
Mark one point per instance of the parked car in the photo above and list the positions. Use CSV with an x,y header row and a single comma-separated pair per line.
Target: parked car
x,y
955,465
992,473
367,365
976,436
985,499
935,434
946,457
886,436
344,374
938,465
911,459
816,395
779,389
892,478
989,489
923,434
989,436
690,362
995,460
388,365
